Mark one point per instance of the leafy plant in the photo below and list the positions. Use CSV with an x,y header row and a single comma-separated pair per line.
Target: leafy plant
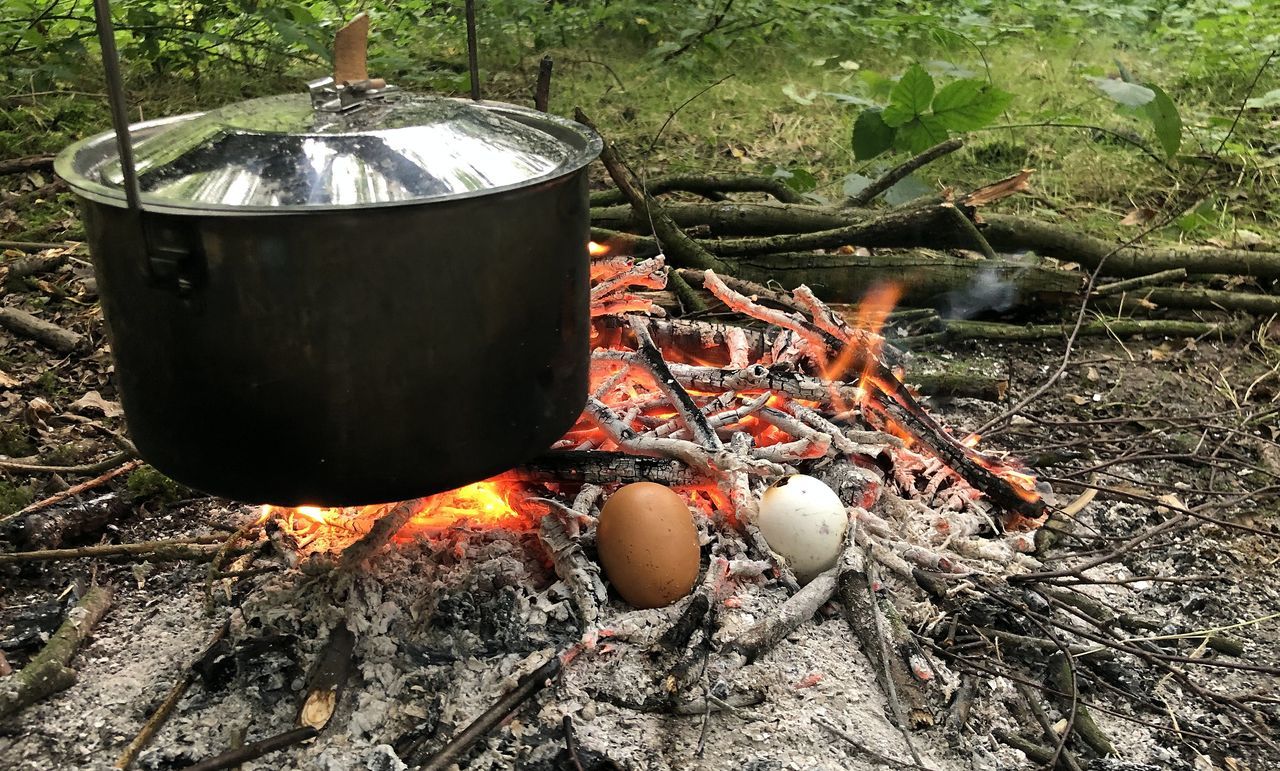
x,y
1151,102
917,117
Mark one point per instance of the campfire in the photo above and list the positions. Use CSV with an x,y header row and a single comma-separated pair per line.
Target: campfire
x,y
731,407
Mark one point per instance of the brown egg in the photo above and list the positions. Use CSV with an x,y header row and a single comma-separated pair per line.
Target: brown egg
x,y
648,544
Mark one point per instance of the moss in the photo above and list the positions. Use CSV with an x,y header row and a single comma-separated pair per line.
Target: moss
x,y
14,441
14,497
148,484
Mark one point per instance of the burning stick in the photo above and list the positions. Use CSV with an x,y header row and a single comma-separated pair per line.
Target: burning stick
x,y
382,531
602,468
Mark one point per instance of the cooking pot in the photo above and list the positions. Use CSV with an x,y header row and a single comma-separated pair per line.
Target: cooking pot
x,y
351,296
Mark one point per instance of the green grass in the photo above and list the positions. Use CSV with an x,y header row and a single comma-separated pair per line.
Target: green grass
x,y
753,122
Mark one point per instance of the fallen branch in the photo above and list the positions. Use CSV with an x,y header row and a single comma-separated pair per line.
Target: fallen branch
x,y
1210,299
113,463
902,171
11,274
48,672
26,164
48,529
681,250
1011,233
712,187
47,334
987,330
933,226
926,277
1118,287
172,550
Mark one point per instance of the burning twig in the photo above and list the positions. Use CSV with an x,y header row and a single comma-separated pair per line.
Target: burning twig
x,y
48,672
382,531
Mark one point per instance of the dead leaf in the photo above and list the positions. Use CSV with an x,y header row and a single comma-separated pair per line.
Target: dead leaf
x,y
1139,216
1091,374
1000,189
1078,399
93,402
1235,764
7,380
36,411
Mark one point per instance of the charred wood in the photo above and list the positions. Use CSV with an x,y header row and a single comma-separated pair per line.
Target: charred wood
x,y
604,468
886,655
48,529
527,687
327,680
235,757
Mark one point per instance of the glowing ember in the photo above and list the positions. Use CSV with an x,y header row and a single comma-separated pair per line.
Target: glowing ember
x,y
774,423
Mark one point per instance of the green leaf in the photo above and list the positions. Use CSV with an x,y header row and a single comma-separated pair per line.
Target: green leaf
x,y
910,98
921,133
909,188
871,135
1264,102
1165,119
794,94
965,105
1127,94
854,183
799,180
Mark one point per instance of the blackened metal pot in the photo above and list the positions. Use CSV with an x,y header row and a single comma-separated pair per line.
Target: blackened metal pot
x,y
335,306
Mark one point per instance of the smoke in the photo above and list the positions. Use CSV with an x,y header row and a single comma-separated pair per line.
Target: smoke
x,y
988,291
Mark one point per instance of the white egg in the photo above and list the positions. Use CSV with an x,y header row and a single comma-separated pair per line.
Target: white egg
x,y
804,521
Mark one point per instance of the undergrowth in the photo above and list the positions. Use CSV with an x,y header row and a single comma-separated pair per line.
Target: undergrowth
x,y
783,83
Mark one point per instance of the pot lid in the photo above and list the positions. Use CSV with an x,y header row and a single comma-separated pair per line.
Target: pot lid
x,y
279,154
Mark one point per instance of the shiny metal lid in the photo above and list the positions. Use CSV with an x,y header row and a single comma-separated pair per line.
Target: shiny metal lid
x,y
277,154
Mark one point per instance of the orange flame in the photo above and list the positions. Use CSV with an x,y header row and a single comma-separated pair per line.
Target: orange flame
x,y
596,250
873,311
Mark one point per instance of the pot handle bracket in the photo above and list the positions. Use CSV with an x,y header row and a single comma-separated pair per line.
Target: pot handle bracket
x,y
171,248
175,259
